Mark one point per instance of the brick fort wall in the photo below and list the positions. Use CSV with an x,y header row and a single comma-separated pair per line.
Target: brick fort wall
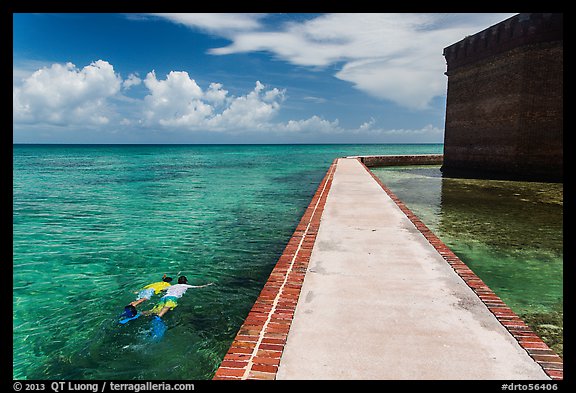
x,y
504,104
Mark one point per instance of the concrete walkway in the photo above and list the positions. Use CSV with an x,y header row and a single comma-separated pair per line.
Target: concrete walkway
x,y
379,302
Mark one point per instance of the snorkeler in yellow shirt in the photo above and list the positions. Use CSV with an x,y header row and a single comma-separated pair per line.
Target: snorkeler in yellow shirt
x,y
144,294
149,290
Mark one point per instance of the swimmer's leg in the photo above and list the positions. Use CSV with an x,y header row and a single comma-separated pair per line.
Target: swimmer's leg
x,y
164,311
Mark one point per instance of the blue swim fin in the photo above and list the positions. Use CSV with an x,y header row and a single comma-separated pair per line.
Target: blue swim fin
x,y
125,320
158,328
129,314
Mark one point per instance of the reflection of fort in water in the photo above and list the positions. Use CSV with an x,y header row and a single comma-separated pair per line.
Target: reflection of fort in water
x,y
502,213
511,214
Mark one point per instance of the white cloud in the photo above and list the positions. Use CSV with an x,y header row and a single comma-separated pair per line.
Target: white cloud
x,y
314,99
428,131
396,57
412,87
175,101
179,102
132,80
313,124
252,111
221,23
63,94
216,94
25,68
367,125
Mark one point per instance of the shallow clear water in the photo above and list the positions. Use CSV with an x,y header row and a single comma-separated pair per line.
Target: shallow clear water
x,y
509,233
92,224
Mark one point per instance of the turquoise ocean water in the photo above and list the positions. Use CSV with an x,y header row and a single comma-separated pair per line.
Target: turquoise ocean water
x,y
92,224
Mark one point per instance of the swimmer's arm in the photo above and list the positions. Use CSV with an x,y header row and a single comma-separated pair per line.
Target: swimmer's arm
x,y
201,286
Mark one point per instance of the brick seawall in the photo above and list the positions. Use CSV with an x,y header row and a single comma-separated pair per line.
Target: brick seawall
x,y
415,159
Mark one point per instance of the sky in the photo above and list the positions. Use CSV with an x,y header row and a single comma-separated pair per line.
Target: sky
x,y
234,78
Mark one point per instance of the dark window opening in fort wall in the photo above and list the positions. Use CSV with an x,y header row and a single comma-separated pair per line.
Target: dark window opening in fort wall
x,y
504,105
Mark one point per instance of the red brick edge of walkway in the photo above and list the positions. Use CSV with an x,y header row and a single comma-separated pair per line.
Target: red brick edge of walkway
x,y
551,363
256,350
